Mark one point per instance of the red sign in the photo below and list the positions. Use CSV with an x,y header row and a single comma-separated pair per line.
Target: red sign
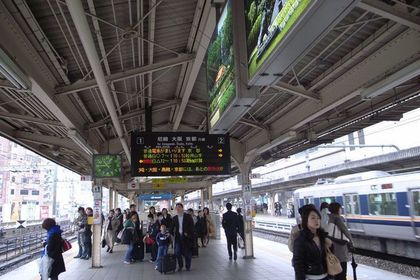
x,y
44,211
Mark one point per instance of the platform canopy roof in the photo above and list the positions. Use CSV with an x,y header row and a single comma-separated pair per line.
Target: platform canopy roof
x,y
152,53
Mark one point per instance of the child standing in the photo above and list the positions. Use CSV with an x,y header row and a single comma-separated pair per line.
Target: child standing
x,y
163,240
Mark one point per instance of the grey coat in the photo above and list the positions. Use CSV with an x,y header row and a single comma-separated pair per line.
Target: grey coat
x,y
341,251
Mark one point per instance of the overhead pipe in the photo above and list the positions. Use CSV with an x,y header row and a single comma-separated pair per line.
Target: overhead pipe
x,y
80,21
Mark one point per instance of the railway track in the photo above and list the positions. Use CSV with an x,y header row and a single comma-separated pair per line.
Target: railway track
x,y
358,251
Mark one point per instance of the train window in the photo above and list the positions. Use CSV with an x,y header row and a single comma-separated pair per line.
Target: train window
x,y
352,204
383,204
327,199
309,200
416,202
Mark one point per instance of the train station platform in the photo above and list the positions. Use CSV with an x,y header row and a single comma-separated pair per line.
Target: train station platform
x,y
272,260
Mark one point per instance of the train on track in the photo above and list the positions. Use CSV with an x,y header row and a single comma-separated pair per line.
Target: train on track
x,y
382,210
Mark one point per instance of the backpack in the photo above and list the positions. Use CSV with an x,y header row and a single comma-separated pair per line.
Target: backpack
x,y
294,233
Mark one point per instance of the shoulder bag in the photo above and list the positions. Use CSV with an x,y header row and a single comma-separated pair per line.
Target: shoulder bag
x,y
333,263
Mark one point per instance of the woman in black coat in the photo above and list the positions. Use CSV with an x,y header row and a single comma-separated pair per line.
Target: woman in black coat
x,y
54,245
309,249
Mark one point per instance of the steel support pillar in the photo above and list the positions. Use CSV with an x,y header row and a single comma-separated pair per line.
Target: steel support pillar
x,y
210,198
115,199
271,206
202,198
97,226
111,199
245,183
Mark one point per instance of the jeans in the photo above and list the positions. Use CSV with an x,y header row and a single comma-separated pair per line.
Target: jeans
x,y
178,252
54,278
80,241
162,251
87,241
232,241
128,255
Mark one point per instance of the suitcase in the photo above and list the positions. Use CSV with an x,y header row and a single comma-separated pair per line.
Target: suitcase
x,y
167,263
138,251
195,251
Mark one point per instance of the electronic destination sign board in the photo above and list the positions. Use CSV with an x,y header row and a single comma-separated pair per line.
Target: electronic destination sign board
x,y
179,154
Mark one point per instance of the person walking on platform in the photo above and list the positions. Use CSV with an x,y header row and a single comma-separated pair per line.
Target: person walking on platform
x,y
112,224
201,227
166,218
241,227
341,238
309,249
210,225
81,223
53,247
163,239
183,230
230,225
119,215
324,215
152,231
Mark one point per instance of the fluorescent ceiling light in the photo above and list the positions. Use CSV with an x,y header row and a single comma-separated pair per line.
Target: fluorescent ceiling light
x,y
280,140
401,76
75,136
12,73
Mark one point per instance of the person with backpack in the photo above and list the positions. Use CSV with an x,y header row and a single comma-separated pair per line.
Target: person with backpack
x,y
53,248
341,238
294,233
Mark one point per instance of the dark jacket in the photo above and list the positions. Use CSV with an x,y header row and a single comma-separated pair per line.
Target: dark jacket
x,y
167,221
230,223
241,228
187,237
307,257
163,239
201,226
55,250
153,229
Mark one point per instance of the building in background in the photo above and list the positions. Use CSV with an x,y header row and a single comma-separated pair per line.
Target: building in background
x,y
33,188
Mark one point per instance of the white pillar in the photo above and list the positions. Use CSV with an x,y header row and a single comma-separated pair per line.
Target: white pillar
x,y
245,182
272,200
111,198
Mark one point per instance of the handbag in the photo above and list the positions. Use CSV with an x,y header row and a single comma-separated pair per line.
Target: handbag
x,y
127,236
103,243
333,263
148,241
336,235
45,265
120,234
66,245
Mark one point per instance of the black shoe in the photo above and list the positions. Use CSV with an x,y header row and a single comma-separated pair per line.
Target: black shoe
x,y
110,251
235,257
107,250
84,257
179,269
188,268
76,257
230,257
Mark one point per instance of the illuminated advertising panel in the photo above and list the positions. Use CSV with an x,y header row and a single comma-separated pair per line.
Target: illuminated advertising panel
x,y
179,154
220,66
107,166
267,23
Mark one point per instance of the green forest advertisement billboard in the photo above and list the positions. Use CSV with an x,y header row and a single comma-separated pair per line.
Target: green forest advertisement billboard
x,y
220,66
267,23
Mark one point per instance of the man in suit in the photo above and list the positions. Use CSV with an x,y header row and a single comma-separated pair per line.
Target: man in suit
x,y
230,224
183,230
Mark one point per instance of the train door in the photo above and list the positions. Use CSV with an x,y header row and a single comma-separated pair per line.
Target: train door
x,y
414,200
352,212
308,200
